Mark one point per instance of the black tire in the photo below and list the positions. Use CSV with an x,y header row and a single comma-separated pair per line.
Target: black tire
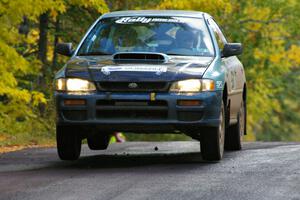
x,y
98,141
212,140
68,143
234,133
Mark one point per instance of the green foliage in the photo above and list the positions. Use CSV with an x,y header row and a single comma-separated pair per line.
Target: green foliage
x,y
26,111
16,104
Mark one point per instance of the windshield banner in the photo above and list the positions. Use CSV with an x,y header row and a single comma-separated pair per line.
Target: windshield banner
x,y
145,20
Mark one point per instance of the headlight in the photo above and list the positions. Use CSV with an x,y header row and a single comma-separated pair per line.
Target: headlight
x,y
193,85
74,85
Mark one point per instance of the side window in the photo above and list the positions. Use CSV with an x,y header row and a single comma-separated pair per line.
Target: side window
x,y
221,40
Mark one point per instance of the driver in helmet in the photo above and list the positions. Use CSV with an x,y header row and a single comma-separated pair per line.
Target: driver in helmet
x,y
185,39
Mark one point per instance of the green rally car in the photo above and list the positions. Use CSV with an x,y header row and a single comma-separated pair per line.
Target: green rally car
x,y
151,72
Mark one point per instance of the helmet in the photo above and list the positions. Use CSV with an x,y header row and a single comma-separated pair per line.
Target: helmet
x,y
185,39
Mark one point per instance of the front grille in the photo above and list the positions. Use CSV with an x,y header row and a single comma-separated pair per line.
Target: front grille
x,y
133,86
75,115
189,116
135,109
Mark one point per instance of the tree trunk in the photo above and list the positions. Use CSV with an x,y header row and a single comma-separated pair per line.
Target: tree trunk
x,y
56,38
24,26
42,55
44,22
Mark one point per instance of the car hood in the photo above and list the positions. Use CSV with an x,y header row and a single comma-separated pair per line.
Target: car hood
x,y
103,68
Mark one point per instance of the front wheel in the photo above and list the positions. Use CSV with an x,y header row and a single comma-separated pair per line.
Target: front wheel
x,y
212,140
68,143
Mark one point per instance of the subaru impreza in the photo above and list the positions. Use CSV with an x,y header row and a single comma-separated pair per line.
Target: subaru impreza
x,y
151,72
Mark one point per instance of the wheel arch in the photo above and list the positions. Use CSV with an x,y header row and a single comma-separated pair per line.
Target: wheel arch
x,y
245,106
226,102
245,92
225,94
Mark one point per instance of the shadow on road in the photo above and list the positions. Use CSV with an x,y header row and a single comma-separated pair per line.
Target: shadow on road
x,y
131,160
125,156
121,161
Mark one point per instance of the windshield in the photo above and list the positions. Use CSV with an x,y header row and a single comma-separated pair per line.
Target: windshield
x,y
169,35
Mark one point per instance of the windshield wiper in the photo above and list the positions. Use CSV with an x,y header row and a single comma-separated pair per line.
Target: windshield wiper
x,y
94,53
175,54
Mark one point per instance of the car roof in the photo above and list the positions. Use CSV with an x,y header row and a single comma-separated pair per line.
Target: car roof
x,y
165,13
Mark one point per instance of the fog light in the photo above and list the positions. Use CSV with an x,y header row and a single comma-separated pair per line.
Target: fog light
x,y
74,102
188,103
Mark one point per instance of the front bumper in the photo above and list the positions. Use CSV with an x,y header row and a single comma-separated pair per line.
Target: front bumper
x,y
139,112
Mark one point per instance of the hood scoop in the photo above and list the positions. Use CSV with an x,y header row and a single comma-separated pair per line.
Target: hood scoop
x,y
129,57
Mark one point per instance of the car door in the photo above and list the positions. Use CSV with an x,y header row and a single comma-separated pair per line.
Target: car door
x,y
234,73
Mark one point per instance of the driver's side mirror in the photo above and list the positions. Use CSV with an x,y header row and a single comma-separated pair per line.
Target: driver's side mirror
x,y
64,49
232,49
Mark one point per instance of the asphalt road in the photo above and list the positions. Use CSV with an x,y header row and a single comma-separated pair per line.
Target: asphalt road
x,y
136,170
